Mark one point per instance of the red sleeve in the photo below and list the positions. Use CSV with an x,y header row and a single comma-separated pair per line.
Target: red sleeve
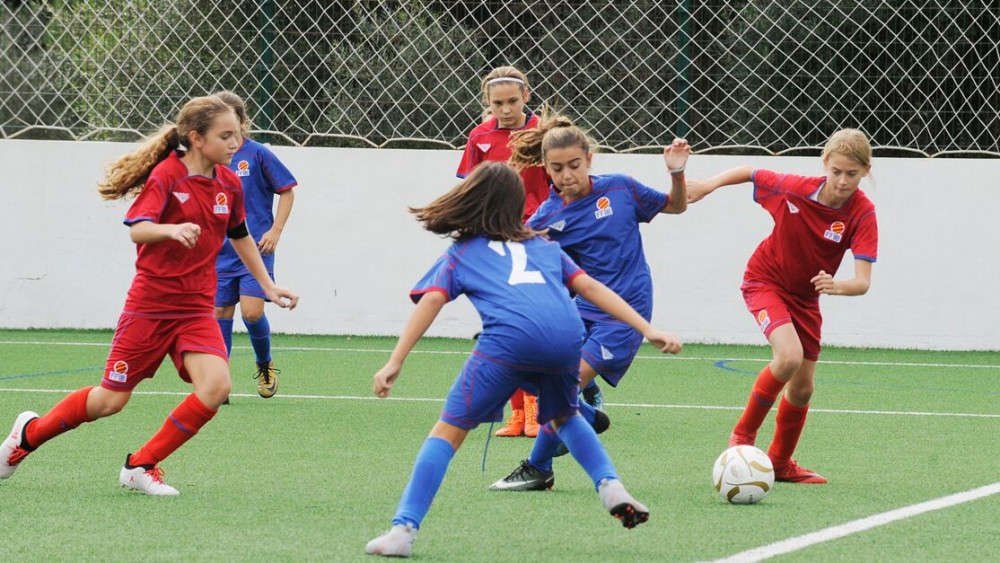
x,y
470,158
864,244
151,202
238,213
765,189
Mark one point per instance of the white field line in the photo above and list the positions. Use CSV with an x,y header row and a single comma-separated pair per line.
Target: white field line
x,y
835,532
464,353
441,400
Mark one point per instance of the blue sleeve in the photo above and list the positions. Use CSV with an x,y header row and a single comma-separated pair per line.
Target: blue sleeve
x,y
441,277
569,269
648,202
279,179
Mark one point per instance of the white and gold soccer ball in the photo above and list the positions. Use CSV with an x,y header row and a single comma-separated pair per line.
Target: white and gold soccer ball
x,y
743,475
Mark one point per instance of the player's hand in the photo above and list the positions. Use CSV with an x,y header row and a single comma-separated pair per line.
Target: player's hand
x,y
824,283
676,155
186,234
269,241
284,298
697,190
384,378
664,341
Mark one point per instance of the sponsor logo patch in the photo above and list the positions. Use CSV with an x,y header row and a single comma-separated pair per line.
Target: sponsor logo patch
x,y
485,147
763,319
558,225
835,232
606,354
181,196
243,168
221,204
119,371
791,207
603,208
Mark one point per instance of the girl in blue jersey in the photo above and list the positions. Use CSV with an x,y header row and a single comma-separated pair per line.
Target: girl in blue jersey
x,y
263,175
595,219
531,339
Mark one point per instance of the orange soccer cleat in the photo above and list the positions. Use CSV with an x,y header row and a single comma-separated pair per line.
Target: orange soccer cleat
x,y
531,426
514,426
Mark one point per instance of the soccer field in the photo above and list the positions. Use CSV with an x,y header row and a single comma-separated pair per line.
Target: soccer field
x,y
315,472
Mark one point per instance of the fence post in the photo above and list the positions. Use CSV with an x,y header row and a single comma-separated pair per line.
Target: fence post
x,y
265,92
683,67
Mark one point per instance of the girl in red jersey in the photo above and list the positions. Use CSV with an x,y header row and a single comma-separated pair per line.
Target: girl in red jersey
x,y
816,219
505,93
186,203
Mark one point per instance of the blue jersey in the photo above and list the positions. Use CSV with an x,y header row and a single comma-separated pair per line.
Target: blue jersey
x,y
520,291
600,232
263,175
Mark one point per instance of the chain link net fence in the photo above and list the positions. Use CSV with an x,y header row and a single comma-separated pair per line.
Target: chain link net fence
x,y
920,76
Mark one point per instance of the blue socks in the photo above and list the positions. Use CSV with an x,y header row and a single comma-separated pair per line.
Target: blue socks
x,y
260,338
547,442
226,325
592,384
428,473
588,451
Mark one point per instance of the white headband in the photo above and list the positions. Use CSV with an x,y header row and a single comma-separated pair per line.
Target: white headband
x,y
493,81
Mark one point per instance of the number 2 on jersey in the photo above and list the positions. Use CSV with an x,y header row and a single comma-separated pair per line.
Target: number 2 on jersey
x,y
519,272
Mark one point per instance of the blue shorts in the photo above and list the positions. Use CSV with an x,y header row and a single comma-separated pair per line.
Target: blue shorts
x,y
610,348
229,288
485,384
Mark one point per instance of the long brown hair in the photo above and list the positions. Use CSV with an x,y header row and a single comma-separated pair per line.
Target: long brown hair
x,y
489,202
554,131
127,175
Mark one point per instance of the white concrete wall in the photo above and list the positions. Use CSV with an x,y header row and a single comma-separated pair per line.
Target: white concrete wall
x,y
352,251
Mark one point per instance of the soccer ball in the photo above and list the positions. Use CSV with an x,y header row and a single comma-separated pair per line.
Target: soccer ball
x,y
743,475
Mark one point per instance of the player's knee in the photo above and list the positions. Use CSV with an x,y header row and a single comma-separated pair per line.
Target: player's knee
x,y
785,364
252,316
800,394
601,422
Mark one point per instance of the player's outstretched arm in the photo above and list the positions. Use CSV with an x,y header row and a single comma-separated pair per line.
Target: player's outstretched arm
x,y
826,285
676,157
698,189
610,302
148,232
248,253
423,316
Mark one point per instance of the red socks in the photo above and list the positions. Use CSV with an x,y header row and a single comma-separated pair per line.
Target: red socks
x,y
65,416
762,397
183,423
517,400
790,421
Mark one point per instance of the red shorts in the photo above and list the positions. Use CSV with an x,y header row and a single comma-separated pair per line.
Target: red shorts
x,y
771,307
141,343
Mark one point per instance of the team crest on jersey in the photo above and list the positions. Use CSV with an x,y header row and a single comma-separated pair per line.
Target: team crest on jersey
x,y
221,204
603,208
791,207
181,196
558,225
485,147
243,168
835,232
763,319
119,371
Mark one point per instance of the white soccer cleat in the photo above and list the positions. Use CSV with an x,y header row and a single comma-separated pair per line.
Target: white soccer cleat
x,y
397,542
11,452
145,479
620,504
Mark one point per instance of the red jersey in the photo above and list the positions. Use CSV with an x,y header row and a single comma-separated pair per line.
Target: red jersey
x,y
172,280
490,142
808,236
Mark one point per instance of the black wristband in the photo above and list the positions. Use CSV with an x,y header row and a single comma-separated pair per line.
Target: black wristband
x,y
238,232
